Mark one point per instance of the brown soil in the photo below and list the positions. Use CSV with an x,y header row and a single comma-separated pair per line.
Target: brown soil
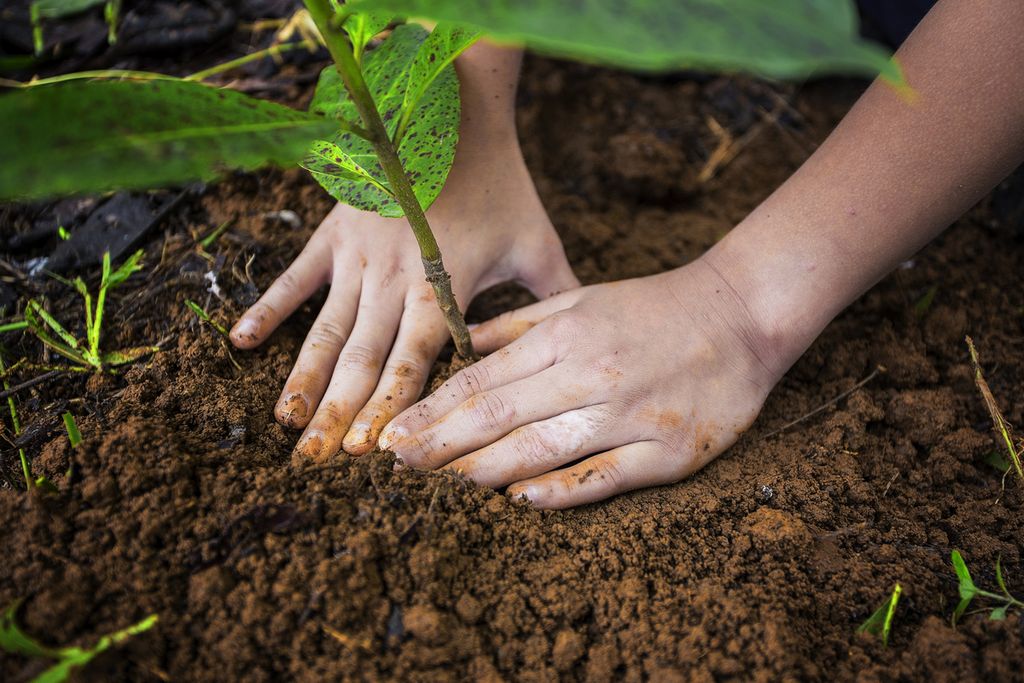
x,y
184,503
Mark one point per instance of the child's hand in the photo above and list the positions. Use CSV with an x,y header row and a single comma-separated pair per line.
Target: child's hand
x,y
367,356
651,378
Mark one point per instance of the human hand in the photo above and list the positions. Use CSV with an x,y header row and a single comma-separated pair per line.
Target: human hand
x,y
646,380
368,354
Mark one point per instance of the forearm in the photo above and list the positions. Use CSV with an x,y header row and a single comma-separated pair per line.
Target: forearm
x,y
892,175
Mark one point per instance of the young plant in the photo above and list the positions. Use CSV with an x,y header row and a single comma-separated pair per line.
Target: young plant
x,y
383,125
57,9
880,622
69,658
221,330
968,591
87,356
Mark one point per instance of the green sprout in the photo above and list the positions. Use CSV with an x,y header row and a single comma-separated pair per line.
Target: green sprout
x,y
16,641
880,622
86,356
205,317
968,591
57,9
74,436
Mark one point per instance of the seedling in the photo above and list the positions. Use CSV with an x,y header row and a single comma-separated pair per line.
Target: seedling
x,y
56,9
968,591
74,436
86,356
880,622
383,125
69,658
1003,429
221,330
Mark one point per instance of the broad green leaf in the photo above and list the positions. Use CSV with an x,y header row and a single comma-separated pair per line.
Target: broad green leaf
x,y
428,147
363,26
326,160
445,43
55,9
781,38
999,613
95,136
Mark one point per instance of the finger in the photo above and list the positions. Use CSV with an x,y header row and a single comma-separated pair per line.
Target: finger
x,y
634,466
539,447
507,327
307,273
319,353
488,416
527,357
421,336
355,375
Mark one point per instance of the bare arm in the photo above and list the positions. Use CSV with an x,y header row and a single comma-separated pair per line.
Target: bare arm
x,y
890,177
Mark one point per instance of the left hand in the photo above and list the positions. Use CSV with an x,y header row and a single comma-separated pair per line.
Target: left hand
x,y
645,380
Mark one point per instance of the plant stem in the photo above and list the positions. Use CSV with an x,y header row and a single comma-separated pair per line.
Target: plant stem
x,y
245,59
437,276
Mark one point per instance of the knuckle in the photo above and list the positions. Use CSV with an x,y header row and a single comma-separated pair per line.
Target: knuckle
x,y
531,446
331,414
359,357
490,410
327,333
563,328
420,450
287,282
472,380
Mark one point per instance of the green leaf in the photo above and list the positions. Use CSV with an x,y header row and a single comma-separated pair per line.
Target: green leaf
x,y
101,135
55,9
999,613
967,588
38,319
880,621
132,265
363,26
445,43
14,640
428,147
126,356
74,436
782,38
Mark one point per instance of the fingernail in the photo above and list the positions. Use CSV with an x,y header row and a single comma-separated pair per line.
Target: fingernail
x,y
245,329
399,464
527,492
294,407
472,326
357,435
310,445
390,435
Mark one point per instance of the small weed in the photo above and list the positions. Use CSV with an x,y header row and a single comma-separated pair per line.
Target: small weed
x,y
74,436
221,330
40,483
880,622
968,591
15,641
86,356
1002,427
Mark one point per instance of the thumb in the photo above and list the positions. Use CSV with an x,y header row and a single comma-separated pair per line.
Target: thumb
x,y
548,271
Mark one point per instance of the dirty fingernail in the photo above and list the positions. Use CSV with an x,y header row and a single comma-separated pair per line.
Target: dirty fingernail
x,y
310,446
399,464
245,330
527,492
390,435
293,408
358,435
